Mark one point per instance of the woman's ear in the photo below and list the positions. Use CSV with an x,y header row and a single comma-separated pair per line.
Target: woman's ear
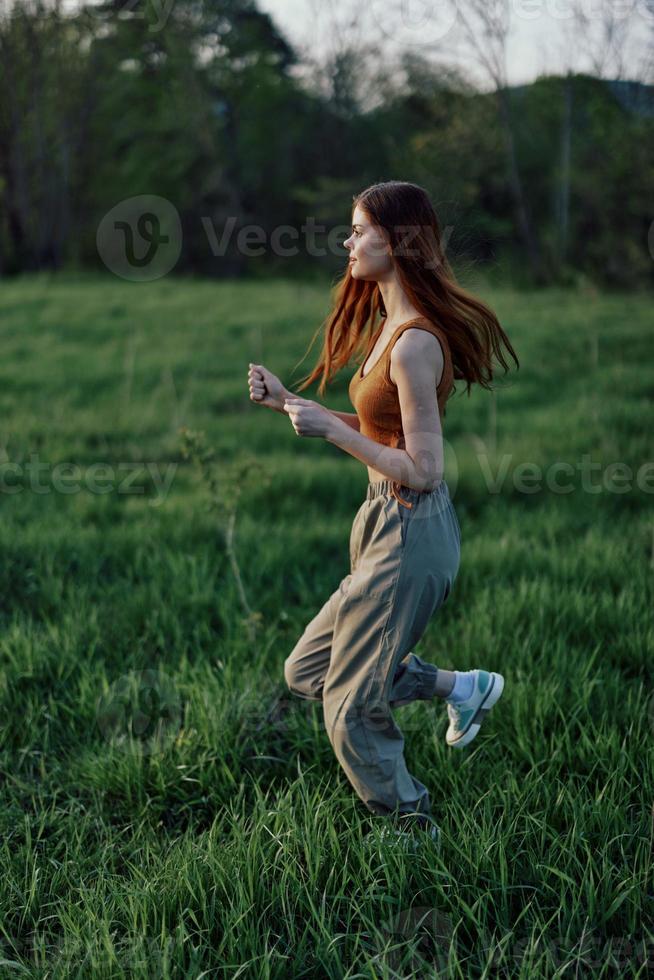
x,y
388,246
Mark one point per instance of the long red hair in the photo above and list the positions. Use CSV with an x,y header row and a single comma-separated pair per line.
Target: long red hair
x,y
472,329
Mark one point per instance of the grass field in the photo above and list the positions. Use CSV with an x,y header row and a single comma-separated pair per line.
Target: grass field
x,y
169,809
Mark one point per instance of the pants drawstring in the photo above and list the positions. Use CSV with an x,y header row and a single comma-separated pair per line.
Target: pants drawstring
x,y
400,500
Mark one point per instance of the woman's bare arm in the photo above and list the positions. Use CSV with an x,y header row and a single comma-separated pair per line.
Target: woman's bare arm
x,y
268,390
351,418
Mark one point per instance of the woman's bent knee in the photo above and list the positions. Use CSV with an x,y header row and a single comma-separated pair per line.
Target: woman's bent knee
x,y
290,673
294,681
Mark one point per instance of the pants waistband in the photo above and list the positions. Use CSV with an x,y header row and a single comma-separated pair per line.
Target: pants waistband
x,y
402,493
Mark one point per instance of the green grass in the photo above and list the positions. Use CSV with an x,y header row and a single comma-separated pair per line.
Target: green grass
x,y
231,844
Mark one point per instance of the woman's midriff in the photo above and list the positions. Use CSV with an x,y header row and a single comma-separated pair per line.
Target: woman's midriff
x,y
374,475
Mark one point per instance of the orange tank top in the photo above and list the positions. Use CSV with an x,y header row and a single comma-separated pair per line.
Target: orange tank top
x,y
375,396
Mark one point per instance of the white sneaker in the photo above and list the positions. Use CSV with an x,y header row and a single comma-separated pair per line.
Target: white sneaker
x,y
466,716
410,840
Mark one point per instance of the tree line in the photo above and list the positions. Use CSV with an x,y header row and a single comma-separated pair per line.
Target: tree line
x,y
212,112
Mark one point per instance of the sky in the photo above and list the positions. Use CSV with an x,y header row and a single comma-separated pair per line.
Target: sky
x,y
541,38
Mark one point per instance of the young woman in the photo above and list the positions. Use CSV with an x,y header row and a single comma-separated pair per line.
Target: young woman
x,y
355,655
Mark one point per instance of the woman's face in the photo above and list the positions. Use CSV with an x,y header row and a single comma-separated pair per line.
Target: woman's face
x,y
370,256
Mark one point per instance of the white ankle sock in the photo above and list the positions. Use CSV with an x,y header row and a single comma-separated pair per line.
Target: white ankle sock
x,y
463,685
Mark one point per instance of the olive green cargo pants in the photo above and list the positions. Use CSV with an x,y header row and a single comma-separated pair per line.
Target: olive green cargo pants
x,y
355,655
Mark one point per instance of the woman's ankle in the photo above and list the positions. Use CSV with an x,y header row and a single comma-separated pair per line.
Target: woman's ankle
x,y
445,680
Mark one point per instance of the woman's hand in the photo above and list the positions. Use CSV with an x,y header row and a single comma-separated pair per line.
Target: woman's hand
x,y
266,388
309,418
